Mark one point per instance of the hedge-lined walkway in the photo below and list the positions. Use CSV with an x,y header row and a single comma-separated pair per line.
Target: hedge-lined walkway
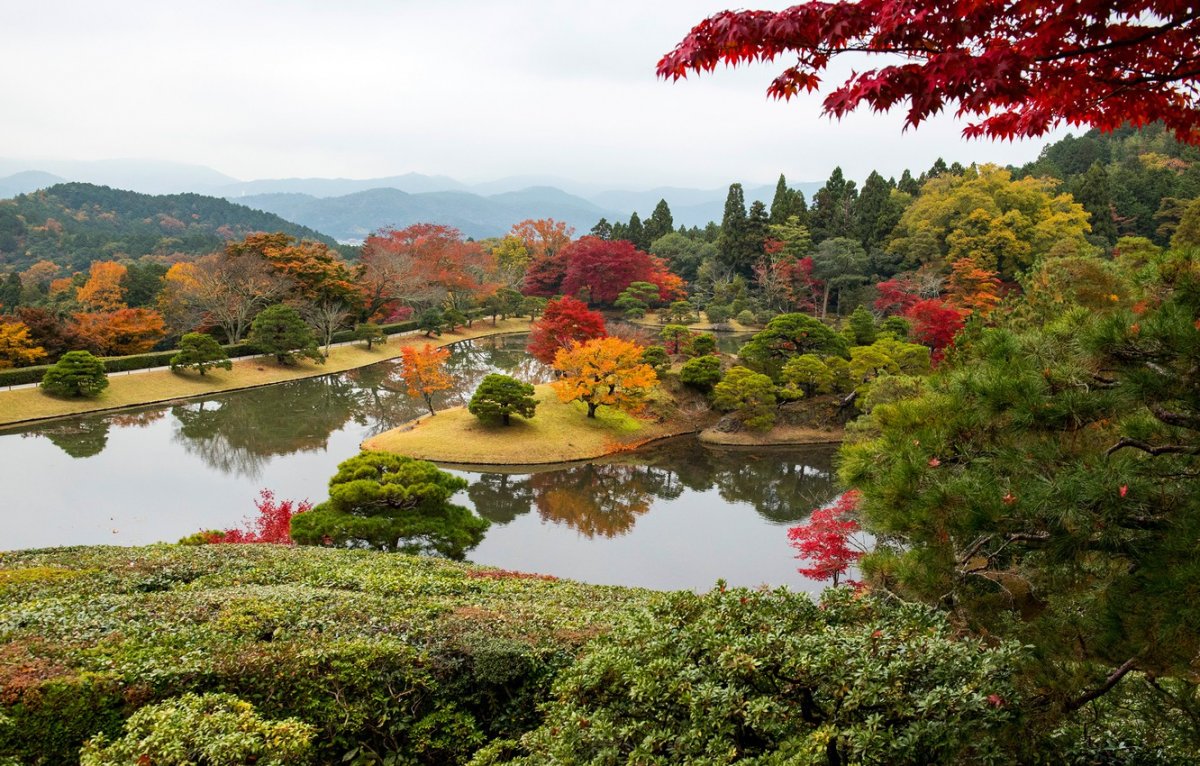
x,y
26,405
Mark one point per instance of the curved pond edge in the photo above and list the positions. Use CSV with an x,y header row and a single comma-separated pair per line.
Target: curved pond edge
x,y
13,398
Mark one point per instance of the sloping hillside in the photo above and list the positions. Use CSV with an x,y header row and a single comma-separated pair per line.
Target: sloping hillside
x,y
74,224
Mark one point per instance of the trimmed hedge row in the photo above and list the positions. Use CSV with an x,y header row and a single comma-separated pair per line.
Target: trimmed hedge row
x,y
24,375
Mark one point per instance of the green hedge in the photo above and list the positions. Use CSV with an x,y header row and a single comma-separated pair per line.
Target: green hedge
x,y
24,375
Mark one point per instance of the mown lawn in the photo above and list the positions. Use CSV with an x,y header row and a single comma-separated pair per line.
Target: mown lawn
x,y
129,390
557,433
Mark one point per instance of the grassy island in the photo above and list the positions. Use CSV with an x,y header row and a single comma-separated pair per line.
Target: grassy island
x,y
31,404
558,433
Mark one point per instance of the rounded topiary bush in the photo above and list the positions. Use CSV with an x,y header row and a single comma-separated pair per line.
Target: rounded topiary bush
x,y
701,373
77,373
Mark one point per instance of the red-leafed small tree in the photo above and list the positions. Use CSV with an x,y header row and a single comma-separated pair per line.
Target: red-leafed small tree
x,y
896,295
273,524
1021,68
825,540
934,323
563,321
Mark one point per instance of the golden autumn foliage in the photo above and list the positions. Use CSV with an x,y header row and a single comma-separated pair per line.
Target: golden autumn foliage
x,y
603,371
103,290
121,332
424,372
16,347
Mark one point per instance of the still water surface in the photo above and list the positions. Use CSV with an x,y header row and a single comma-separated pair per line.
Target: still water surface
x,y
677,515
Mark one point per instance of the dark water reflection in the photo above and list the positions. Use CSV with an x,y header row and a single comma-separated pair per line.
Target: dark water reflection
x,y
677,515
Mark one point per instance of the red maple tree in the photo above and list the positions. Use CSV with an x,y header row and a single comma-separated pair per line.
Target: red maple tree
x,y
603,268
273,524
1020,68
896,295
563,321
824,540
935,324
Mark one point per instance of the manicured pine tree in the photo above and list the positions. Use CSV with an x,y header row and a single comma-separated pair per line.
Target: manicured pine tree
x,y
499,397
200,351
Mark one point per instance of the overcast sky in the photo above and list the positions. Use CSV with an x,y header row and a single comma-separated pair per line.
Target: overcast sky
x,y
471,89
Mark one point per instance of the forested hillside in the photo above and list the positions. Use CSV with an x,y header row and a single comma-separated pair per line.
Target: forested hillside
x,y
74,224
1132,182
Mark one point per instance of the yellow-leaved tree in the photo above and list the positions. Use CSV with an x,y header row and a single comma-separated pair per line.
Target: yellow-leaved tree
x,y
17,349
603,371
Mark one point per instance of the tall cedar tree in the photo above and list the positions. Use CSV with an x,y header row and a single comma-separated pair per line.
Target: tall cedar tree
x,y
659,224
563,320
603,371
1020,68
423,371
732,251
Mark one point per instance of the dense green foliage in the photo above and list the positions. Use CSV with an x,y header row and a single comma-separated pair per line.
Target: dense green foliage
x,y
211,729
499,397
391,503
77,373
1043,486
787,335
200,351
74,224
279,331
701,373
382,654
739,676
750,394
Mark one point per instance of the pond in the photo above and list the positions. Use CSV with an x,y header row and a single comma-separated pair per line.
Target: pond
x,y
676,515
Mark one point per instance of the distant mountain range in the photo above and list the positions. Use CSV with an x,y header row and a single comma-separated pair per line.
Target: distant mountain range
x,y
349,209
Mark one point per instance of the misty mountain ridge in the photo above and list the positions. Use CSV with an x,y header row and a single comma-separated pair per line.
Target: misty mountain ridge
x,y
336,206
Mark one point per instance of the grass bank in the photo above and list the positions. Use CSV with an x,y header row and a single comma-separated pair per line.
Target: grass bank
x,y
779,436
131,390
382,653
558,433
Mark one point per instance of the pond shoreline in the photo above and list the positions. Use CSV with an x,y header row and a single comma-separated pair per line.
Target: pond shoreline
x,y
126,392
560,434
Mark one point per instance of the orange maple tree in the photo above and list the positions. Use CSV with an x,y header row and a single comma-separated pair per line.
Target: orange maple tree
x,y
603,371
103,290
542,237
421,265
972,288
423,370
121,332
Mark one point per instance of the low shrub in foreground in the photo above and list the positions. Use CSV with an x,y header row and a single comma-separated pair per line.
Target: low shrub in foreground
x,y
380,653
210,729
739,676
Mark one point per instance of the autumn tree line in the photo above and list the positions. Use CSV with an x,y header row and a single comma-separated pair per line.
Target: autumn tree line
x,y
933,248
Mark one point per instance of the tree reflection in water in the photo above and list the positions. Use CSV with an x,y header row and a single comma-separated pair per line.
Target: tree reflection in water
x,y
78,438
240,432
501,497
606,499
